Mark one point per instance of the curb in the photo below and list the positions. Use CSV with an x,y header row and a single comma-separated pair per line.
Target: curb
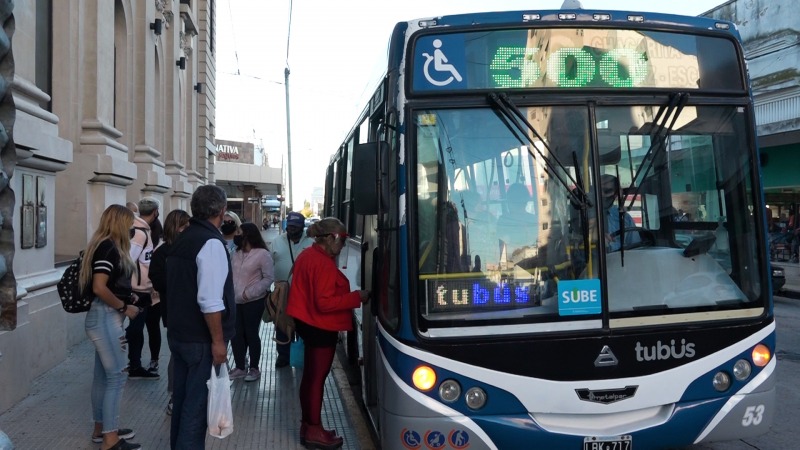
x,y
351,406
789,294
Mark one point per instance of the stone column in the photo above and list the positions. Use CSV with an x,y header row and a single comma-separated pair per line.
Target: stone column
x,y
8,158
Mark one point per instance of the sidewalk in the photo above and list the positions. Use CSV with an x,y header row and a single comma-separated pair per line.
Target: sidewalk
x,y
57,413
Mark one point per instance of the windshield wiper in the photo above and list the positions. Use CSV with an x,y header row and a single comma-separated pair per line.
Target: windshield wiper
x,y
510,115
658,139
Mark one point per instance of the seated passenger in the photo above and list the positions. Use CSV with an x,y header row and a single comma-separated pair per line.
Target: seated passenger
x,y
610,192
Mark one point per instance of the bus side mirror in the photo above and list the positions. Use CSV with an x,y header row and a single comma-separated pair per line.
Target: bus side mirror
x,y
366,186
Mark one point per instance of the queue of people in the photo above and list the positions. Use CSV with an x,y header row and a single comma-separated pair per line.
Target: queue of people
x,y
206,278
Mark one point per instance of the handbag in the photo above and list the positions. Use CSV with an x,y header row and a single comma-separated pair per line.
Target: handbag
x,y
220,412
296,353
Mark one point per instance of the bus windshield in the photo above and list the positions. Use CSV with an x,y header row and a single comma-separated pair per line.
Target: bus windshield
x,y
503,241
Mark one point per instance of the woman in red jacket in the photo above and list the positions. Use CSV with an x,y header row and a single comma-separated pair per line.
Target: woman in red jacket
x,y
322,304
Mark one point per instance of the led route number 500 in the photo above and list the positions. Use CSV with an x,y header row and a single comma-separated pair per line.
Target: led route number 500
x,y
612,67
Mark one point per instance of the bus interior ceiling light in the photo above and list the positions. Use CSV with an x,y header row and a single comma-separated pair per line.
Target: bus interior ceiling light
x,y
424,378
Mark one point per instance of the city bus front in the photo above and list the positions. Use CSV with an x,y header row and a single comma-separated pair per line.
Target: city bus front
x,y
587,244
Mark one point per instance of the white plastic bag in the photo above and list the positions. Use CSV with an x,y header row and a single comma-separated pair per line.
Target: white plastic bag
x,y
220,413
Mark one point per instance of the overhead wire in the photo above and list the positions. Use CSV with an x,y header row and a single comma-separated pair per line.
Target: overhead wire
x,y
233,34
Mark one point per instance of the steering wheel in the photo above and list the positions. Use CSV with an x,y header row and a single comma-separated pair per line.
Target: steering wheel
x,y
646,237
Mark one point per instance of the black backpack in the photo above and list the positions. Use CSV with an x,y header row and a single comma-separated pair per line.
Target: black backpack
x,y
72,299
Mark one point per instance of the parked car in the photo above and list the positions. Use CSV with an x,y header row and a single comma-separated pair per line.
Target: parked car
x,y
311,220
778,279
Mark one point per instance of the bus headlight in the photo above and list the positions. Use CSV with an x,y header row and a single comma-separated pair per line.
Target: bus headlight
x,y
761,355
449,390
721,382
475,398
742,369
424,378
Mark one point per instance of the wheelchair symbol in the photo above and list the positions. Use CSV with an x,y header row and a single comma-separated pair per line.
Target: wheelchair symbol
x,y
439,65
411,439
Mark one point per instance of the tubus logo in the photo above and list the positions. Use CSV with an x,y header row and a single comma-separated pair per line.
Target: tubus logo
x,y
662,352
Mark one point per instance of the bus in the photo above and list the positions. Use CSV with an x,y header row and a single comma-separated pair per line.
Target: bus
x,y
516,301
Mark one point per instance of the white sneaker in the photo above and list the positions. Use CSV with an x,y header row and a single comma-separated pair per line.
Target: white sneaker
x,y
236,374
252,374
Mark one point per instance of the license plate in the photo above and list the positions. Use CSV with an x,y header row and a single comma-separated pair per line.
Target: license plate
x,y
624,442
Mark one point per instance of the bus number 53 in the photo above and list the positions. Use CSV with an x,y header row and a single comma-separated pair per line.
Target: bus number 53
x,y
753,415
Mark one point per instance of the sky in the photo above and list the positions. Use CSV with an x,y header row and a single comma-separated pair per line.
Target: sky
x,y
336,56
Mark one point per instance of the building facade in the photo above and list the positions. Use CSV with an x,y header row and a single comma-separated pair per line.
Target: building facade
x,y
244,172
114,100
770,30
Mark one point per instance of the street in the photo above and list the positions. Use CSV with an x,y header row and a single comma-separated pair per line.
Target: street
x,y
785,432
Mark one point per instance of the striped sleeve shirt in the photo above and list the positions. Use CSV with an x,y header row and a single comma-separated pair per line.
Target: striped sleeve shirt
x,y
106,260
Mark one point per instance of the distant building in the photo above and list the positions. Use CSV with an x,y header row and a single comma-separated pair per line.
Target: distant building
x,y
246,183
770,32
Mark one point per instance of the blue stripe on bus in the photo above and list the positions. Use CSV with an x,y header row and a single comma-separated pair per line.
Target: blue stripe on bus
x,y
702,388
500,400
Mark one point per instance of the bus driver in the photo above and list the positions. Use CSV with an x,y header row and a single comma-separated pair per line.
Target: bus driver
x,y
610,192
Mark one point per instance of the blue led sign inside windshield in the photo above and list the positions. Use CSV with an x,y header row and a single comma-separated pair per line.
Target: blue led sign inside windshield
x,y
480,295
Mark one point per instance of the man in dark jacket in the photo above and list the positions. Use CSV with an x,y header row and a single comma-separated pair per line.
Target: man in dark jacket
x,y
201,313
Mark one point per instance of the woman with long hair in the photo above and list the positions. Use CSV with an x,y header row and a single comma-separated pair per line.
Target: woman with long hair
x,y
177,220
106,270
322,304
252,268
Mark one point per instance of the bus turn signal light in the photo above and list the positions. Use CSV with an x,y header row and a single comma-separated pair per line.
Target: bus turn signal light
x,y
761,355
424,378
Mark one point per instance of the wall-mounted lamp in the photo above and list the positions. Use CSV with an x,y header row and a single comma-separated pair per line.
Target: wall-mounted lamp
x,y
156,26
181,63
199,88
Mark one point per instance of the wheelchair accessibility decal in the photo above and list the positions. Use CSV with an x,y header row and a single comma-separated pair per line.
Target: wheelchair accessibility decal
x,y
435,439
439,63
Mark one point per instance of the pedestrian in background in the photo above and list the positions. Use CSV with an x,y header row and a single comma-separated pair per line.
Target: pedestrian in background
x,y
201,314
141,252
230,227
152,320
107,268
252,276
285,249
133,207
177,220
322,304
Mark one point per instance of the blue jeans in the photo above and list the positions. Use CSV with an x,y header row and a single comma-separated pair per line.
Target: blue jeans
x,y
191,369
104,328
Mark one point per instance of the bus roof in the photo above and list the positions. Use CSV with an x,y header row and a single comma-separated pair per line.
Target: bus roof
x,y
596,17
